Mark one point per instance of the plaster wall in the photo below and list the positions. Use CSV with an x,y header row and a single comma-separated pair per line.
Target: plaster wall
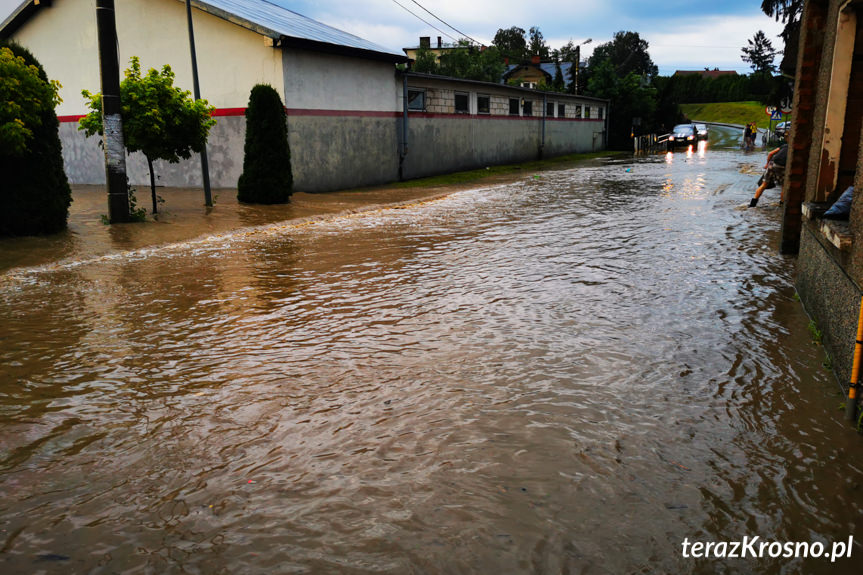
x,y
231,59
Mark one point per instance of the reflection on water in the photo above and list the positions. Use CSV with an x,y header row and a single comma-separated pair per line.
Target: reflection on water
x,y
571,373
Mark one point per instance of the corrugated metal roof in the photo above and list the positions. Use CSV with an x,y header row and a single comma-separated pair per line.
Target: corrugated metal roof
x,y
272,17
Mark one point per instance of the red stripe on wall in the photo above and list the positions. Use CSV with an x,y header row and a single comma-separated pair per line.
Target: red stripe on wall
x,y
232,112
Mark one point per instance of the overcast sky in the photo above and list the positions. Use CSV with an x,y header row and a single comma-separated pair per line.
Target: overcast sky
x,y
682,35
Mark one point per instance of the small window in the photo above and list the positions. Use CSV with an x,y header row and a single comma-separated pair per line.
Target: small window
x,y
549,109
461,103
587,112
417,100
513,106
578,111
528,108
601,110
561,110
483,104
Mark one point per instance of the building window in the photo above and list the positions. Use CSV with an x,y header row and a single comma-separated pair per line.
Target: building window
x,y
461,103
578,111
549,109
483,105
417,100
587,112
531,85
601,111
513,106
561,110
528,108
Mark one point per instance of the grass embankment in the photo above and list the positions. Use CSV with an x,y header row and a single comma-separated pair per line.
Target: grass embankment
x,y
740,113
482,173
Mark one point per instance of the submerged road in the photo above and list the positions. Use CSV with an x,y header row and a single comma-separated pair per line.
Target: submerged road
x,y
576,372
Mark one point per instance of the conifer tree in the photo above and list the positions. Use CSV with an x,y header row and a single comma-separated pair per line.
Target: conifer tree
x,y
267,176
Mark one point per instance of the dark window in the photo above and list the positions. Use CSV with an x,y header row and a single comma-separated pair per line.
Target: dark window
x,y
549,109
587,111
528,109
578,111
513,106
461,103
601,110
561,110
483,104
417,100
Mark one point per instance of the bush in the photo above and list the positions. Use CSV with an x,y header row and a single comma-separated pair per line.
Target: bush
x,y
35,194
266,177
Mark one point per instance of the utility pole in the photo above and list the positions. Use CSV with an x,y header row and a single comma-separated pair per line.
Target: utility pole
x,y
578,64
205,165
112,123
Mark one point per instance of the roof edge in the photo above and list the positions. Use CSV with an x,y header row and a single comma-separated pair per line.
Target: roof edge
x,y
20,15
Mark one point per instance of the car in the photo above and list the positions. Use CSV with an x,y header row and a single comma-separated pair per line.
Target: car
x,y
702,131
682,135
782,129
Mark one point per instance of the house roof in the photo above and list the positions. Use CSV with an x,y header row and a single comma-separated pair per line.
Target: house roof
x,y
715,73
547,68
269,18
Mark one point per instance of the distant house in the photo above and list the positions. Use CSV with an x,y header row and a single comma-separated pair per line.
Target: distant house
x,y
706,73
439,49
535,72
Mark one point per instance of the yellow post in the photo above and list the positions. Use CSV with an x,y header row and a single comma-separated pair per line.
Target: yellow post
x,y
851,405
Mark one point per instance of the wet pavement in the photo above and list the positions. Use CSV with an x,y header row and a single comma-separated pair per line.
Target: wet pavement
x,y
572,372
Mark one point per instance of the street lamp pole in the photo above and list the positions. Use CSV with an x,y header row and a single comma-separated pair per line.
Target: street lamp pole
x,y
578,63
205,167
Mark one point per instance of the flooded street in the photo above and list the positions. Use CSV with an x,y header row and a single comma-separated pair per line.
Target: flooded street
x,y
568,373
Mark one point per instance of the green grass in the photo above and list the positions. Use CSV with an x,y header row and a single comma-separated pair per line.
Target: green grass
x,y
475,175
727,113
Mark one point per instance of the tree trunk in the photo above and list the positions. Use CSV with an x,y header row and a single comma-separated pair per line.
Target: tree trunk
x,y
152,184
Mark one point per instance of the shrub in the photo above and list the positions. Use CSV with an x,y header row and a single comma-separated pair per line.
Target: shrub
x,y
35,193
266,177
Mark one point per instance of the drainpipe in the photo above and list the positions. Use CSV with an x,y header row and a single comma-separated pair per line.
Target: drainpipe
x,y
404,147
544,115
851,404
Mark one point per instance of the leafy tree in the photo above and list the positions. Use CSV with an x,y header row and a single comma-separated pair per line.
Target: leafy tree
x,y
511,44
425,62
35,195
627,53
759,54
472,63
631,97
788,12
267,176
538,47
558,84
159,120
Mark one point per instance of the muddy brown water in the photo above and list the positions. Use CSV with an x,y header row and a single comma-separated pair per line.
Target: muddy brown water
x,y
572,372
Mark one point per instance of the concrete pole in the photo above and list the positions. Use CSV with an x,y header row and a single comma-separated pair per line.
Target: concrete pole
x,y
205,165
112,123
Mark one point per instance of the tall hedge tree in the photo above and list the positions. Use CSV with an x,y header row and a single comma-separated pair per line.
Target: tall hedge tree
x,y
34,190
267,176
159,119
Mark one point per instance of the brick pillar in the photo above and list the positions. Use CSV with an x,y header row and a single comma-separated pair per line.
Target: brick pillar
x,y
812,29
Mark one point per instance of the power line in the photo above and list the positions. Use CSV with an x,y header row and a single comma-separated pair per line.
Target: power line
x,y
426,22
447,24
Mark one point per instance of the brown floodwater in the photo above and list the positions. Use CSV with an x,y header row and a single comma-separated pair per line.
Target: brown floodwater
x,y
572,372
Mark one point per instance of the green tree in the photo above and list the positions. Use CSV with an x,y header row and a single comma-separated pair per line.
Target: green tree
x,y
558,84
631,97
627,53
425,62
159,120
788,12
35,194
267,176
538,47
511,44
759,54
472,63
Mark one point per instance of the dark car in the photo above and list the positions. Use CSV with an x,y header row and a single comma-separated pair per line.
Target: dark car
x,y
683,135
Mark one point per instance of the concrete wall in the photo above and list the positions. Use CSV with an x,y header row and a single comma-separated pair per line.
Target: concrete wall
x,y
497,137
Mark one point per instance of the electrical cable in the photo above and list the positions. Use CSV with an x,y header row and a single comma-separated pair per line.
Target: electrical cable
x,y
447,24
426,22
